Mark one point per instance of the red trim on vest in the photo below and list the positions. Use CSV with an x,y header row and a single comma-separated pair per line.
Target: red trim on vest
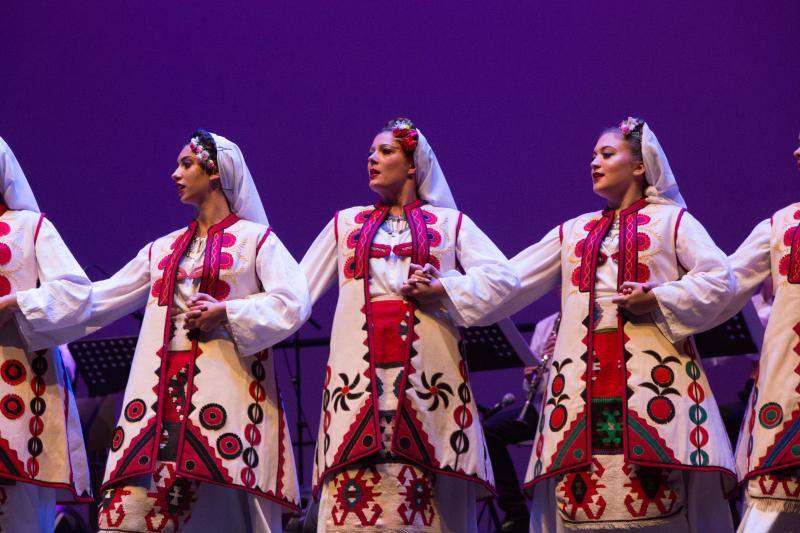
x,y
38,225
591,247
561,233
458,225
420,240
677,226
336,227
263,240
794,257
211,264
368,230
171,268
629,243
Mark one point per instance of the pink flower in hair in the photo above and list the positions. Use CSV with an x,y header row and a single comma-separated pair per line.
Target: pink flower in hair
x,y
628,125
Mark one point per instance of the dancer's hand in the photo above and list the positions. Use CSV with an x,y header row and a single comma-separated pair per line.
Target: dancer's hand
x,y
423,285
205,313
637,298
8,306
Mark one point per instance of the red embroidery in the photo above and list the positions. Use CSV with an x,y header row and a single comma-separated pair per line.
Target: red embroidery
x,y
356,495
173,499
794,261
648,486
580,492
372,223
112,512
418,496
597,231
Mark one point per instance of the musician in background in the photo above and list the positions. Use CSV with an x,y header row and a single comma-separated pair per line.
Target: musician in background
x,y
512,426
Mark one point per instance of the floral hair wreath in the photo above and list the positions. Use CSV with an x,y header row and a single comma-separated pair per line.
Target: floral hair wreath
x,y
202,153
407,136
630,125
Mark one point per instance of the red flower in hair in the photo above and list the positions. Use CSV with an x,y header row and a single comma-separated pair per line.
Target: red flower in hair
x,y
407,137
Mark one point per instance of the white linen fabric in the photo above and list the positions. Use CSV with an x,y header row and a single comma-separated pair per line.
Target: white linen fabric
x,y
17,194
431,184
662,186
237,183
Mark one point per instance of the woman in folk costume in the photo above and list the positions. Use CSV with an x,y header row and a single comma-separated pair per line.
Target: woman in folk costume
x,y
42,288
202,433
768,451
630,435
400,444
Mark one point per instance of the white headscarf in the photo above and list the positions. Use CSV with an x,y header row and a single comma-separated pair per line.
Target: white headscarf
x,y
431,185
662,187
17,194
237,183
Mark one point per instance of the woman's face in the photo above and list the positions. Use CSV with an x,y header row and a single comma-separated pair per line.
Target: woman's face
x,y
388,166
797,154
614,168
190,178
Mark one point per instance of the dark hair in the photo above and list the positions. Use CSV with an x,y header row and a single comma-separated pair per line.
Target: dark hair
x,y
206,140
633,138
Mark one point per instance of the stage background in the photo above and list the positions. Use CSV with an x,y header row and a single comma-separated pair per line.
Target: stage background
x,y
98,98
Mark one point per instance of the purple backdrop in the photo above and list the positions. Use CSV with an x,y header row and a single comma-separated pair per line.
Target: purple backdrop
x,y
97,100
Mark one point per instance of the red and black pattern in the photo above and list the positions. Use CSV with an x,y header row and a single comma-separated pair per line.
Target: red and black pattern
x,y
660,408
648,487
135,410
418,496
580,493
173,497
38,405
356,495
13,372
112,511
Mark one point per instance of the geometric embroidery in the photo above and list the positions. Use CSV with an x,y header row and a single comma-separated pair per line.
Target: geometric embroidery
x,y
770,415
578,491
418,497
618,494
173,498
355,495
607,425
648,486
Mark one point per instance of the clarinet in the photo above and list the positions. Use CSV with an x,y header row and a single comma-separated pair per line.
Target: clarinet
x,y
539,372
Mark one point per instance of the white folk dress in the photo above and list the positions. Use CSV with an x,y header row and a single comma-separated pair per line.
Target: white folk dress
x,y
203,408
768,450
42,456
618,427
400,444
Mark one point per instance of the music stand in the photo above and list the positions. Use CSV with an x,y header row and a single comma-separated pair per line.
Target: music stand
x,y
740,335
104,364
495,347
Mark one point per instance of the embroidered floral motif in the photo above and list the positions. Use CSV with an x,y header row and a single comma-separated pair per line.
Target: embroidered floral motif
x,y
436,390
346,392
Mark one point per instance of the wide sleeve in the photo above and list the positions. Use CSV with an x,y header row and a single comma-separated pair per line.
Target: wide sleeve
x,y
692,303
62,298
111,299
538,268
750,265
319,263
486,282
261,320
